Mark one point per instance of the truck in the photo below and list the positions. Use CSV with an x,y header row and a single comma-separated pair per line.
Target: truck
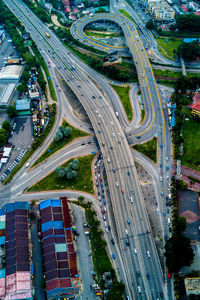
x,y
47,34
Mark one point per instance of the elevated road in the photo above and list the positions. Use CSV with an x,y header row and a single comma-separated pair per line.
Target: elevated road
x,y
118,159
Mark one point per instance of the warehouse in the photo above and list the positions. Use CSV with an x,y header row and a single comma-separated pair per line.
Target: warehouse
x,y
15,276
58,249
7,94
11,73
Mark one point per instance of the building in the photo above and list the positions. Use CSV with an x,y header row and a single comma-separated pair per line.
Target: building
x,y
33,95
161,10
195,106
192,286
2,36
7,94
59,254
11,73
23,105
15,276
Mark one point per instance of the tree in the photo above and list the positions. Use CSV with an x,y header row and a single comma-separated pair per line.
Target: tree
x,y
189,51
81,199
58,136
3,137
178,252
150,25
58,169
61,172
74,174
11,111
67,131
76,161
75,166
6,125
69,174
21,88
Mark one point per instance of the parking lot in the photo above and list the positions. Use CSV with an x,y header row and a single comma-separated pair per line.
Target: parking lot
x,y
20,140
189,208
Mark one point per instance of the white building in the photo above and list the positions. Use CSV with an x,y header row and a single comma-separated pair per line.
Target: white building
x,y
7,94
11,73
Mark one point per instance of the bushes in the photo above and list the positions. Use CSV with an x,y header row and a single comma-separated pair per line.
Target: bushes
x,y
70,171
178,251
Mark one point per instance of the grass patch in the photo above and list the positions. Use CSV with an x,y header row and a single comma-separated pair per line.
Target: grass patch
x,y
149,149
101,35
167,73
123,93
124,12
168,46
55,146
36,143
191,144
142,115
83,182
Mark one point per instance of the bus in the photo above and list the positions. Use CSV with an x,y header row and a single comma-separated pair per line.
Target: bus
x,y
168,273
47,34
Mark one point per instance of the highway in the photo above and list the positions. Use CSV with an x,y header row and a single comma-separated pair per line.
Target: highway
x,y
117,155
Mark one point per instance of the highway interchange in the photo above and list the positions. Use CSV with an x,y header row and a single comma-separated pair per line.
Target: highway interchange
x,y
113,136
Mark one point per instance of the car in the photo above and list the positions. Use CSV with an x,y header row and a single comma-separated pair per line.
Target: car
x,y
122,191
104,202
102,190
117,184
127,242
129,222
138,273
135,250
112,241
105,224
104,218
101,184
167,168
113,256
100,204
162,194
132,191
93,97
103,211
109,228
99,131
157,211
148,276
59,90
98,193
131,199
148,254
139,289
103,196
161,178
100,179
126,231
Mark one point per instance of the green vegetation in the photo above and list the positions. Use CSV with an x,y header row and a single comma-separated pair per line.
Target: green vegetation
x,y
123,93
36,143
167,73
6,125
149,149
191,144
100,34
150,25
168,47
186,133
11,111
3,137
189,51
83,182
124,12
188,23
178,251
100,256
57,145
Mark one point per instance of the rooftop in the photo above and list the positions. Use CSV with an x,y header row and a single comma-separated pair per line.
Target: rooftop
x,y
11,72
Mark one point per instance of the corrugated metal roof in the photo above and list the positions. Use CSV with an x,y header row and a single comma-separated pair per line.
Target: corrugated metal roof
x,y
2,240
2,273
23,104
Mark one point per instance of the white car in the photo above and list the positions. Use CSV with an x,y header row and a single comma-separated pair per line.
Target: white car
x,y
148,253
139,289
117,184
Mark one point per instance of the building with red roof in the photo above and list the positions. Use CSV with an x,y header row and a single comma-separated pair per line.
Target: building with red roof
x,y
67,9
183,8
196,104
